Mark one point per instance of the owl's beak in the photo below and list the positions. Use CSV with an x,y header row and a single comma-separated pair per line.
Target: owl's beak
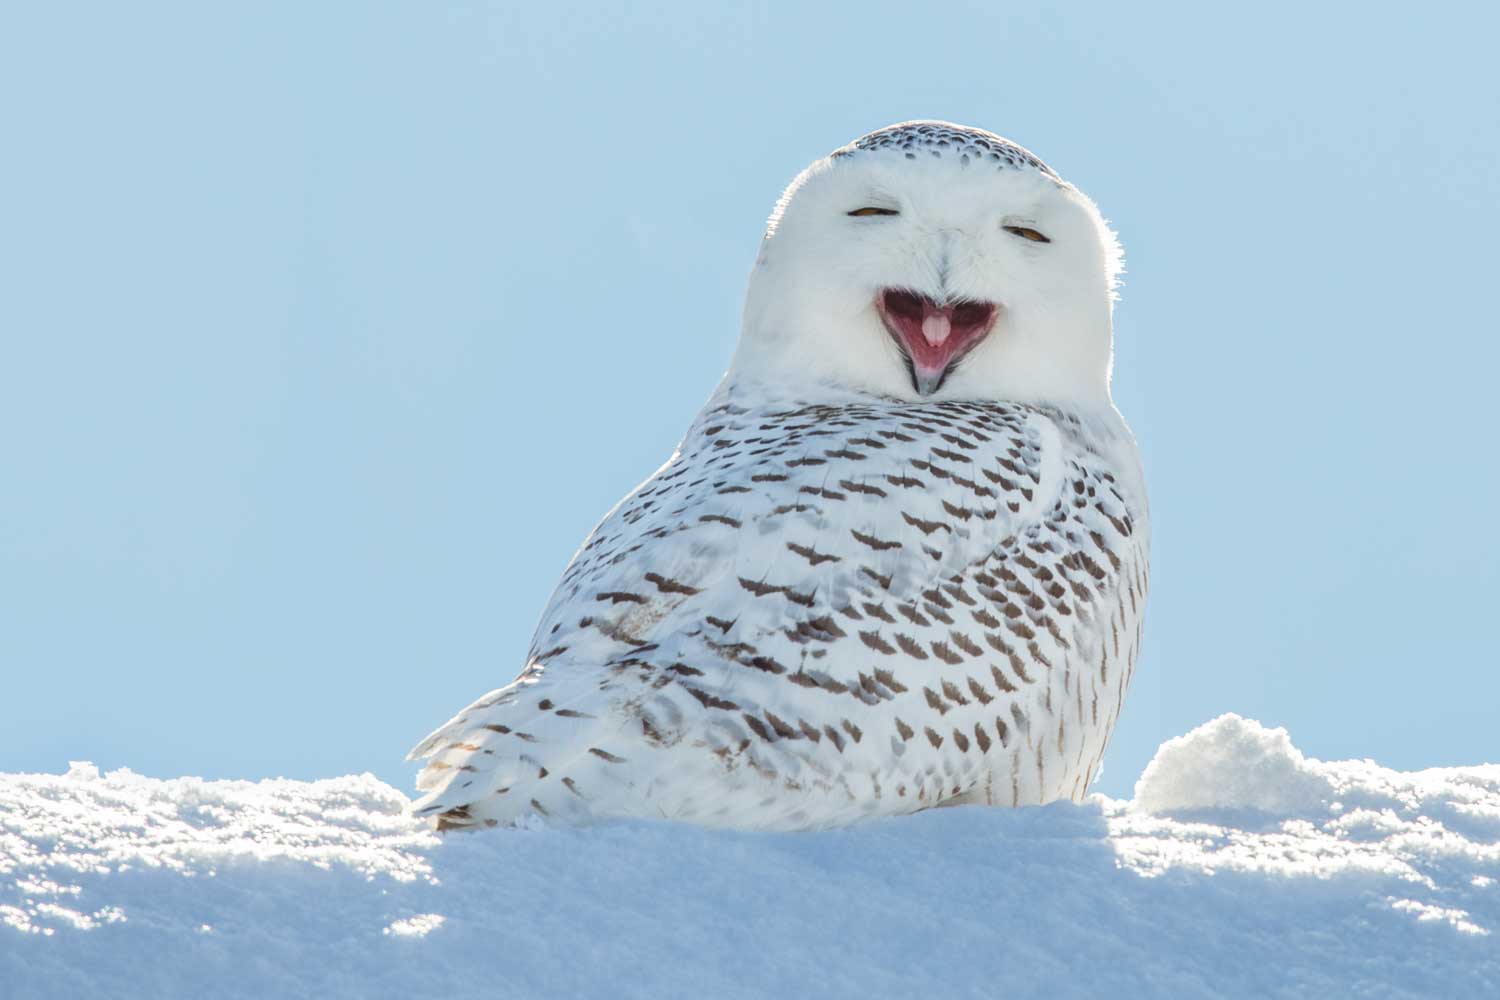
x,y
933,336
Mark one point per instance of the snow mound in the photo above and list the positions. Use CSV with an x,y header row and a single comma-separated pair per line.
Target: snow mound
x,y
1242,869
1232,763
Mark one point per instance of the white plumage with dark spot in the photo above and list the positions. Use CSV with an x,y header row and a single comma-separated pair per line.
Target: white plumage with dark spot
x,y
900,558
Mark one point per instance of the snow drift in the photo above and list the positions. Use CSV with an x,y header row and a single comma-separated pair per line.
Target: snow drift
x,y
1240,868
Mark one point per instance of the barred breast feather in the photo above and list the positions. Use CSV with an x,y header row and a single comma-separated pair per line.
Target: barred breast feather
x,y
825,609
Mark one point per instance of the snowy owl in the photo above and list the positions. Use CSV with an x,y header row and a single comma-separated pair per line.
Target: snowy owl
x,y
899,560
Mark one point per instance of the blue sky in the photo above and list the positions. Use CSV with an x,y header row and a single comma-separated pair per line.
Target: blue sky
x,y
309,311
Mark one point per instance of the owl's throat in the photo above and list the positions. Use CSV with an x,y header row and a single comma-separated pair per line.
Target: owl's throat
x,y
933,336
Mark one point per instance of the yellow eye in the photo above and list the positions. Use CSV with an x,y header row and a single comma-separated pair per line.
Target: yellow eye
x,y
871,210
1027,234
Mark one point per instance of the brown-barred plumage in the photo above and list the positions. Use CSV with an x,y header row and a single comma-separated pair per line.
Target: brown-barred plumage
x,y
820,611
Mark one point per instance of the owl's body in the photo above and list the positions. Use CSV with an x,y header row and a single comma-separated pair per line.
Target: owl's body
x,y
836,600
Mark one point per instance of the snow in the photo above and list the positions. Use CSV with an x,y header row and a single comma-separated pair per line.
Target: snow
x,y
1233,764
1241,868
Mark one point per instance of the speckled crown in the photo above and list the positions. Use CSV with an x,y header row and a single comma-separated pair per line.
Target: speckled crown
x,y
939,139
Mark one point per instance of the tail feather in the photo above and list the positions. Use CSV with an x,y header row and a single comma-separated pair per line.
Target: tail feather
x,y
519,750
455,726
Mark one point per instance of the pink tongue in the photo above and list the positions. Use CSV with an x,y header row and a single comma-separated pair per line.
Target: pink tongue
x,y
936,327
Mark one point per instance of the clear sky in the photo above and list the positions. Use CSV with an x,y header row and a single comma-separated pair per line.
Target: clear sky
x,y
307,312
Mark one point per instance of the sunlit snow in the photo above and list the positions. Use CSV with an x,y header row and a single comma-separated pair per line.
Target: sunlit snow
x,y
1241,868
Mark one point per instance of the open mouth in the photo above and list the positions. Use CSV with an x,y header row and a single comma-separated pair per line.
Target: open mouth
x,y
933,337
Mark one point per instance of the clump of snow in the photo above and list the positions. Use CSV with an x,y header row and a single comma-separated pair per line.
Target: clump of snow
x,y
1232,763
1242,869
421,925
82,770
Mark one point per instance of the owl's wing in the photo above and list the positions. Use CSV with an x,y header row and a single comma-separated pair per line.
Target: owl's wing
x,y
781,558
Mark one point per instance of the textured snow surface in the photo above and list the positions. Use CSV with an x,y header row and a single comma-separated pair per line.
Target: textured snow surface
x,y
1241,869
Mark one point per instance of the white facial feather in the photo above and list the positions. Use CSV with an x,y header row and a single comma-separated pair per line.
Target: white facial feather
x,y
810,310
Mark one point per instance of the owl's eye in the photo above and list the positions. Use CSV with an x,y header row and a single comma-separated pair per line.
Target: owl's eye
x,y
872,210
1027,234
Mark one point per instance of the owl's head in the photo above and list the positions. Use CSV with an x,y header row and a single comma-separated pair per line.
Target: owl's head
x,y
930,260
